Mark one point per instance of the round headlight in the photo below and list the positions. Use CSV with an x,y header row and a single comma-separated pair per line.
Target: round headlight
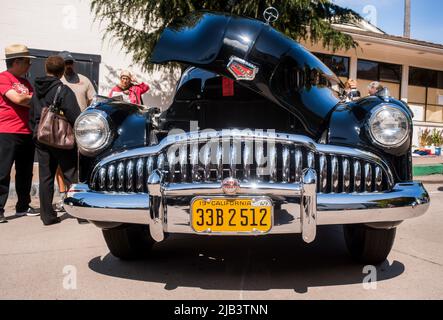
x,y
92,132
389,126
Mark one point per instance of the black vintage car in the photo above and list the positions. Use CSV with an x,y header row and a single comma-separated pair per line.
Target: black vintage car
x,y
258,141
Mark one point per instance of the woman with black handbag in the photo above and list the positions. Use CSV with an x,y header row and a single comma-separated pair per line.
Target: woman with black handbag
x,y
54,109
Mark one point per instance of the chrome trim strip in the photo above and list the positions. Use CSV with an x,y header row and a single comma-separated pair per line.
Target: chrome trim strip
x,y
247,135
256,188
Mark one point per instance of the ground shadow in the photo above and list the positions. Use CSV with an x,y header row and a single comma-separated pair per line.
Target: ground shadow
x,y
264,263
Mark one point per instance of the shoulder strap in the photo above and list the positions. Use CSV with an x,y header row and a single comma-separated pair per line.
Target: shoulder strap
x,y
57,93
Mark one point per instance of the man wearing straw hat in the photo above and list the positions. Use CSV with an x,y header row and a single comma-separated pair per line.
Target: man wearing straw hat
x,y
16,143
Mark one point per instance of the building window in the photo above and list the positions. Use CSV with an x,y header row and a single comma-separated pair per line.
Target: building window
x,y
338,64
426,92
388,74
379,71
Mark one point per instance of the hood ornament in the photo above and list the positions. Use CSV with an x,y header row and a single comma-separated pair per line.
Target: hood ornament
x,y
271,15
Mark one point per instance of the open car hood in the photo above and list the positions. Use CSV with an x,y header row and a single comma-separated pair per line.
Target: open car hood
x,y
256,56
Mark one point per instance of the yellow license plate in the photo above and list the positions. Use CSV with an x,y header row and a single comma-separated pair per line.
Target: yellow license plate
x,y
224,215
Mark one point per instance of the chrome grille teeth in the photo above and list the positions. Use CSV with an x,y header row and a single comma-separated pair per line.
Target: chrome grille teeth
x,y
286,165
120,176
272,158
283,164
247,161
130,176
368,177
346,176
378,179
334,174
323,170
139,177
298,165
111,177
102,179
357,176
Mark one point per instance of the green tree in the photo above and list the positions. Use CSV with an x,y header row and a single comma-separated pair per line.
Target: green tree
x,y
138,24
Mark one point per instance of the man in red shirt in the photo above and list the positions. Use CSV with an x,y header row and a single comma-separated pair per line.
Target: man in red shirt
x,y
16,143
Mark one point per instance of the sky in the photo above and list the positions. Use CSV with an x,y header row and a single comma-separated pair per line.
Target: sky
x,y
388,15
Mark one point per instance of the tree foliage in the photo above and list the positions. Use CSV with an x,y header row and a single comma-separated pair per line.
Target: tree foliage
x,y
138,24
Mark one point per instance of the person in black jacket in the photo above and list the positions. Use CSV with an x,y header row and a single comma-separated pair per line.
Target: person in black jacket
x,y
48,157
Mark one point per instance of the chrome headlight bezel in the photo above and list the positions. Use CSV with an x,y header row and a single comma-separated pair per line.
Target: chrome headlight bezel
x,y
108,134
374,114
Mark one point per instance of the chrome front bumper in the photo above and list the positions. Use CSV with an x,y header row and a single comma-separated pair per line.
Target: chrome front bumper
x,y
298,208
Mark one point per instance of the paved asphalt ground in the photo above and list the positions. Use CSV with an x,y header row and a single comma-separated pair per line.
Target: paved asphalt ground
x,y
33,259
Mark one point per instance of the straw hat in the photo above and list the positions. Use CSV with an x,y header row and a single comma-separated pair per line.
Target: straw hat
x,y
126,73
17,51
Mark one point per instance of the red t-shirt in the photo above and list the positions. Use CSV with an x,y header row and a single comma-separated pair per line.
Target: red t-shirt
x,y
13,118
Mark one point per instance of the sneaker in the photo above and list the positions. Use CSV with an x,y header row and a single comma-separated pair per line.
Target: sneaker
x,y
31,212
3,219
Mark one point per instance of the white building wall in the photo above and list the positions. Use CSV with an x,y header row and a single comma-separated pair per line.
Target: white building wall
x,y
69,25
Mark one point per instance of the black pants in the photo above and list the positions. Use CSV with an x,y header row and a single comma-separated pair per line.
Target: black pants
x,y
48,160
18,148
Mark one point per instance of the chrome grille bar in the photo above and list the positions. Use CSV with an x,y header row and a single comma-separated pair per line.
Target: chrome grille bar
x,y
286,165
120,176
346,176
298,159
139,177
334,174
130,176
357,176
323,170
368,177
111,177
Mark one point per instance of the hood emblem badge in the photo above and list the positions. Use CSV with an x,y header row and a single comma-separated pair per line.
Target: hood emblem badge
x,y
230,186
241,69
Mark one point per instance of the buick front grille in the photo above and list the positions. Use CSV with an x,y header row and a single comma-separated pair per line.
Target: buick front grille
x,y
339,169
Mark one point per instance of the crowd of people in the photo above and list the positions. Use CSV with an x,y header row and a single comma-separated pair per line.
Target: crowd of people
x,y
21,107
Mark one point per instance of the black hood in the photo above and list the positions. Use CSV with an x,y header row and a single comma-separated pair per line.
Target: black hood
x,y
257,57
43,85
